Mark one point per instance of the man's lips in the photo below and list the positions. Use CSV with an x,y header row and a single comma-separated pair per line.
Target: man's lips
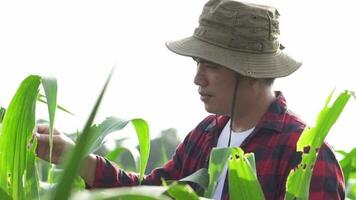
x,y
204,96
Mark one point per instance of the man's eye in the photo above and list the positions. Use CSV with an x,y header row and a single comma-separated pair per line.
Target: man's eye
x,y
206,63
211,65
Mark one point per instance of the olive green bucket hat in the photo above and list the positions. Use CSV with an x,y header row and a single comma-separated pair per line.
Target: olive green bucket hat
x,y
240,36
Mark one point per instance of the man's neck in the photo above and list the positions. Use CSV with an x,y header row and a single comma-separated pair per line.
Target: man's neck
x,y
249,114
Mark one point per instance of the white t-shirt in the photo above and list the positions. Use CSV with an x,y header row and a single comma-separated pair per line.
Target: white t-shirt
x,y
236,140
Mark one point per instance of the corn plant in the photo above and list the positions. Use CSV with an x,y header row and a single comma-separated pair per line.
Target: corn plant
x,y
298,181
73,163
243,182
218,159
18,177
127,156
111,124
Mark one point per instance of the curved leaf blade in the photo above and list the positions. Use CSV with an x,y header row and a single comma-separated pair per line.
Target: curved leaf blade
x,y
243,182
50,87
106,127
298,181
217,161
182,192
143,135
200,177
133,152
16,156
125,193
42,100
74,162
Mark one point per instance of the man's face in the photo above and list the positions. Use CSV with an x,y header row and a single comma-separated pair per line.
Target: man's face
x,y
216,86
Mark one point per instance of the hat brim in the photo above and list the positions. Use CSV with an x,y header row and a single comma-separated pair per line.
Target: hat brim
x,y
256,65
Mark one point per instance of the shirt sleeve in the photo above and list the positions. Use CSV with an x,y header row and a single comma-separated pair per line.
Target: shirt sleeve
x,y
189,156
107,174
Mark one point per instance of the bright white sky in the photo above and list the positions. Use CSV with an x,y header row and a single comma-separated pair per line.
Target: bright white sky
x,y
79,41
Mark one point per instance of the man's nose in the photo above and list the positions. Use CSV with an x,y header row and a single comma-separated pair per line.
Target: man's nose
x,y
200,78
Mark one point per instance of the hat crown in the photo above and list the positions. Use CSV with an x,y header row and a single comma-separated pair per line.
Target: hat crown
x,y
239,26
240,36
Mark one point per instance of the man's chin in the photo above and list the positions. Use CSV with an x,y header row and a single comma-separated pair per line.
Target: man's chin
x,y
211,110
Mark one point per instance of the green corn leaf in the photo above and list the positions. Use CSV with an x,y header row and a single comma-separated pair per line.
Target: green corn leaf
x,y
200,177
50,87
54,173
4,195
125,193
351,191
348,164
217,161
342,152
73,163
133,152
101,130
182,192
31,179
112,155
143,135
21,174
41,98
243,182
298,181
251,159
16,155
164,158
353,94
2,113
326,119
112,124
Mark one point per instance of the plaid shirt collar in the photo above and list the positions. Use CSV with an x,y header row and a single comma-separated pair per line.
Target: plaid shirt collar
x,y
272,119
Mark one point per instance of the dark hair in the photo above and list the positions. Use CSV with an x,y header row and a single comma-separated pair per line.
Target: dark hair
x,y
266,81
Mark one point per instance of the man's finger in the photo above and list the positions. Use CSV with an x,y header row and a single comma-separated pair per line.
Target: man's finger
x,y
42,138
44,129
35,130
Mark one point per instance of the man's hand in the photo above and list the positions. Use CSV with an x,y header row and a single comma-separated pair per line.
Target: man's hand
x,y
60,144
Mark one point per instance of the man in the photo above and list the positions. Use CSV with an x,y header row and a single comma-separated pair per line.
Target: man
x,y
238,57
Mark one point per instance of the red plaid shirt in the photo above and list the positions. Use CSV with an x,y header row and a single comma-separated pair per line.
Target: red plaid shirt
x,y
273,142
